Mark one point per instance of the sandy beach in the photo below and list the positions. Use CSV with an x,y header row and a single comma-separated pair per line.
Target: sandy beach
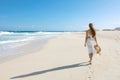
x,y
66,58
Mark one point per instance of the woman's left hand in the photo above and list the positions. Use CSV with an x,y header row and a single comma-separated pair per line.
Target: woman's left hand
x,y
85,44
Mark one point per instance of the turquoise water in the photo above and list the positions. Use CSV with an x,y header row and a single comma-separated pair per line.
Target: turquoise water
x,y
7,37
10,41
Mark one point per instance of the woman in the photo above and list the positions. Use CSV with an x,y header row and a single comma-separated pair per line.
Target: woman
x,y
91,41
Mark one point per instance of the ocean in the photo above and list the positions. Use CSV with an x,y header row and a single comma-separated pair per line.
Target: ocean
x,y
13,43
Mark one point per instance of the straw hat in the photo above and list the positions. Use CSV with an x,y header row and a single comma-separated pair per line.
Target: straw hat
x,y
98,49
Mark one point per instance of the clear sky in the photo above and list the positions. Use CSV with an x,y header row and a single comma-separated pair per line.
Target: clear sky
x,y
58,14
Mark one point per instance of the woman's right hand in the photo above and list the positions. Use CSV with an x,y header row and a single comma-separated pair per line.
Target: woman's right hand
x,y
97,44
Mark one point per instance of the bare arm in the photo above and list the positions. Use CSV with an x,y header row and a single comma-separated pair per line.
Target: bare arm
x,y
96,40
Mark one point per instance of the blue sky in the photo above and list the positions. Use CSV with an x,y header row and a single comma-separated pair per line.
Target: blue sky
x,y
58,14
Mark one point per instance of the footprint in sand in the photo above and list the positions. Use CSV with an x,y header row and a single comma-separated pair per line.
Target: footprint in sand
x,y
118,52
90,73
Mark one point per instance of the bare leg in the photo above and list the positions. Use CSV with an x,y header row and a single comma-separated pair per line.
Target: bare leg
x,y
90,56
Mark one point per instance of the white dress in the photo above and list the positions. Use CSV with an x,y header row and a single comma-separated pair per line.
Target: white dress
x,y
90,43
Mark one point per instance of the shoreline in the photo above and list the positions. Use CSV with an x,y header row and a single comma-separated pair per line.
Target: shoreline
x,y
66,58
28,47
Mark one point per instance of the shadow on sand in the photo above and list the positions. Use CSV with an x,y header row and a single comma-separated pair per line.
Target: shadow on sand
x,y
52,69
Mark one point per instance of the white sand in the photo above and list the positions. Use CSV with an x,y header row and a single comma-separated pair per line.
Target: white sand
x,y
65,58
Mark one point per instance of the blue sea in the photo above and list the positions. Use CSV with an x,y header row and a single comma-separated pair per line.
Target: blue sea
x,y
13,43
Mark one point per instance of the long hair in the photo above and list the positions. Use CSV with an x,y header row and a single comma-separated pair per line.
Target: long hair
x,y
92,29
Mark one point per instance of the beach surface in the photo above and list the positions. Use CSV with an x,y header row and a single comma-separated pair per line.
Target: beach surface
x,y
66,58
